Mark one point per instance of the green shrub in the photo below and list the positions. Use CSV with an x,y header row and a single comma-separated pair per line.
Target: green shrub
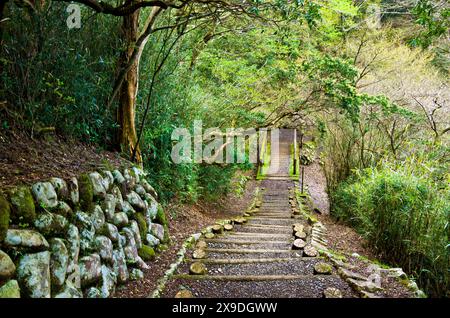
x,y
404,213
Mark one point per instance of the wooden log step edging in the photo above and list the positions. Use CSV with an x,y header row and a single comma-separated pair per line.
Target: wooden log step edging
x,y
231,261
228,241
247,277
247,251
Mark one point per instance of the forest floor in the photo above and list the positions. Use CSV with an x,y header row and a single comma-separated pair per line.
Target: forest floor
x,y
25,160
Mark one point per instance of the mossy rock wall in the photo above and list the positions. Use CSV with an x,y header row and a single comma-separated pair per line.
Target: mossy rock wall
x,y
89,257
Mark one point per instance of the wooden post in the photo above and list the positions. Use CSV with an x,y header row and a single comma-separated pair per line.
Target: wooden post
x,y
258,152
303,178
295,152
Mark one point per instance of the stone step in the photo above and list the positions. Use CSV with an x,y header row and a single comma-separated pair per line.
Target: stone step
x,y
240,253
227,240
275,222
280,224
285,267
296,286
268,236
251,260
230,244
246,250
267,230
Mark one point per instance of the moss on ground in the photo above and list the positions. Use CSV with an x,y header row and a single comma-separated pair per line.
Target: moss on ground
x,y
86,192
147,253
143,227
161,219
5,211
22,205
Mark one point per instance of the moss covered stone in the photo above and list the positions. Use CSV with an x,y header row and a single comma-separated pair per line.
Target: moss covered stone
x,y
161,219
10,289
142,223
161,248
5,211
86,192
147,253
160,216
22,205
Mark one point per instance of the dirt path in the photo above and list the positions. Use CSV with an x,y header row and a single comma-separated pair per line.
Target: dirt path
x,y
257,257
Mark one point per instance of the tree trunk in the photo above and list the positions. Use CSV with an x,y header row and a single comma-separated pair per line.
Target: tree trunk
x,y
126,139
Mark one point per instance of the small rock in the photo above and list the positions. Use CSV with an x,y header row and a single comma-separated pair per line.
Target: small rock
x,y
33,273
105,248
51,224
120,265
394,272
323,269
69,291
228,227
136,274
130,179
184,293
61,188
199,253
137,236
98,188
27,239
148,188
157,230
198,268
126,207
209,235
300,235
45,195
22,205
98,218
298,244
73,246
10,289
7,267
217,229
59,260
151,240
117,194
111,232
140,190
90,269
109,206
120,219
345,273
63,209
309,251
118,177
361,285
83,220
74,195
108,180
332,292
109,281
135,200
147,253
201,244
93,292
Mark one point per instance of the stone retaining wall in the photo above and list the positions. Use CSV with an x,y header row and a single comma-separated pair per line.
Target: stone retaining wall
x,y
78,237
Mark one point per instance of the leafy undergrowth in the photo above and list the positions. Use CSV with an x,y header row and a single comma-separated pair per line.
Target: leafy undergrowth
x,y
403,212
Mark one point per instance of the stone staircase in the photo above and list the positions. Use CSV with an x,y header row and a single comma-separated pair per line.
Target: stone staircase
x,y
256,257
